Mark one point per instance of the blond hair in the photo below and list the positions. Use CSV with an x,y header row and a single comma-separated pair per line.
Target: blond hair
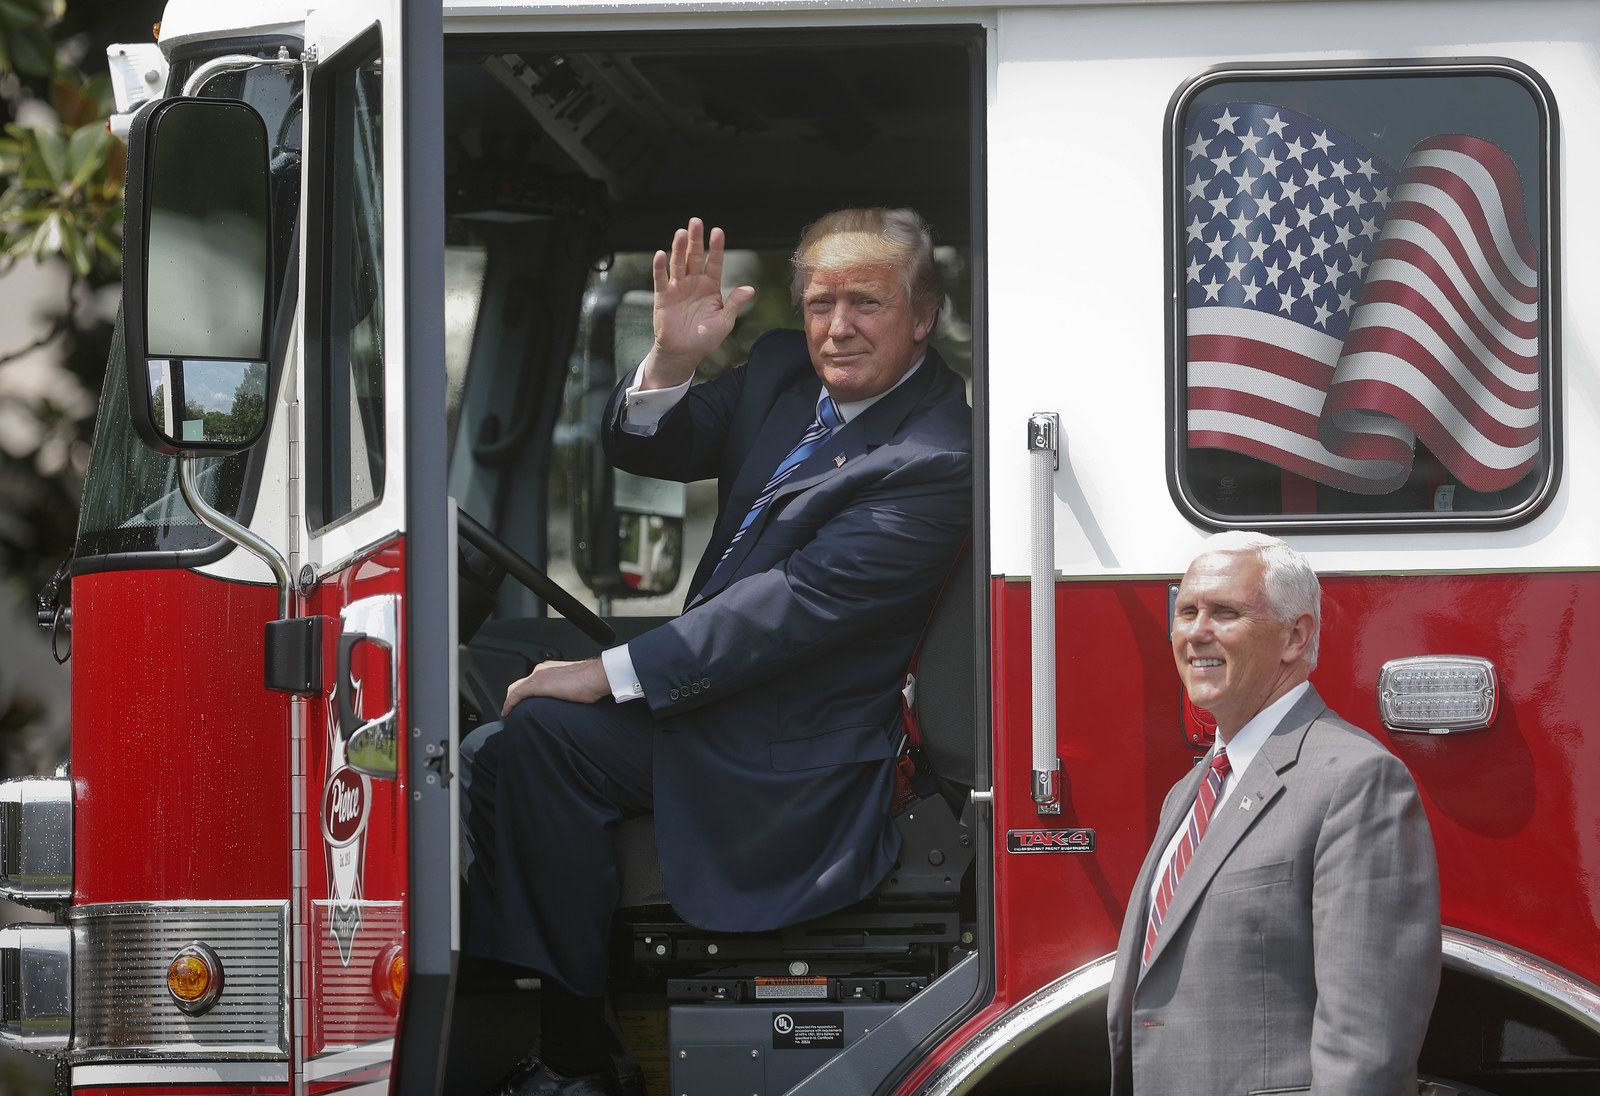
x,y
850,238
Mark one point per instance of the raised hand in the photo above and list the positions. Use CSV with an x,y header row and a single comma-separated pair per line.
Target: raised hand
x,y
691,318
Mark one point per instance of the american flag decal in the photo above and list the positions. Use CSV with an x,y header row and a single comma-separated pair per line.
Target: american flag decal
x,y
1339,310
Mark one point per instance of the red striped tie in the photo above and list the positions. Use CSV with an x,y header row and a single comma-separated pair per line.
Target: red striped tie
x,y
1199,819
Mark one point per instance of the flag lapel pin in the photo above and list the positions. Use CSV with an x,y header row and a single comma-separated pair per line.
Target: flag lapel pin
x,y
838,462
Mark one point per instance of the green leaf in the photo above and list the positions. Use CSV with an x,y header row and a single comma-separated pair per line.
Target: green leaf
x,y
47,166
21,15
47,237
13,202
32,53
97,89
86,152
22,243
75,248
109,246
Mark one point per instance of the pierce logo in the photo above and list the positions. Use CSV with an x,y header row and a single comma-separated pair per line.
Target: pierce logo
x,y
1050,841
344,807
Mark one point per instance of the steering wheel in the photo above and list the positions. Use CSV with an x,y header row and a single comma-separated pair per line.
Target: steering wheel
x,y
477,535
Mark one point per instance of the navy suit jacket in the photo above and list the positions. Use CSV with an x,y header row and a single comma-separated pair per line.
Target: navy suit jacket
x,y
777,692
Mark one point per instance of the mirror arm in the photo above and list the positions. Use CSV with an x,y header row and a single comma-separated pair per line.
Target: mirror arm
x,y
232,531
237,62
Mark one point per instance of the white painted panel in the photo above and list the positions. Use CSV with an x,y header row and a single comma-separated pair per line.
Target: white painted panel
x,y
1077,312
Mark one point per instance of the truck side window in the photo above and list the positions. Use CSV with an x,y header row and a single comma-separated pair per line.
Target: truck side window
x,y
349,437
1363,308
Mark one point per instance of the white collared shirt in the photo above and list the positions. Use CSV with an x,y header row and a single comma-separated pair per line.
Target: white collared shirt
x,y
1241,753
642,413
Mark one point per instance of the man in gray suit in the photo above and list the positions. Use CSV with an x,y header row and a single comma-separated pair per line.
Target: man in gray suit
x,y
1283,934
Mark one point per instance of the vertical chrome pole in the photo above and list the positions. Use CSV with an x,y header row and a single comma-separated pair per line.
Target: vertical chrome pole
x,y
1043,460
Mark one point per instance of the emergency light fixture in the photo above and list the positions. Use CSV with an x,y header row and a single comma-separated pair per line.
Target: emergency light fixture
x,y
1438,694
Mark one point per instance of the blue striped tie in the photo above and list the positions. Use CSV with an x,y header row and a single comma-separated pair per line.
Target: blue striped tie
x,y
826,422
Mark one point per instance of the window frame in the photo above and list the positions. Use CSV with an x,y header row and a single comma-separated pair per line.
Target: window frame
x,y
325,101
1174,282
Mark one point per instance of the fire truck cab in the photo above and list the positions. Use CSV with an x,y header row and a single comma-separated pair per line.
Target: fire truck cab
x,y
1307,268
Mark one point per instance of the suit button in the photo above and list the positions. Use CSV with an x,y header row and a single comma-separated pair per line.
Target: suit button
x,y
705,683
695,688
672,694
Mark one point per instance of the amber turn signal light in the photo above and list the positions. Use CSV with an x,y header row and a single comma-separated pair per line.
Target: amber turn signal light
x,y
389,976
194,978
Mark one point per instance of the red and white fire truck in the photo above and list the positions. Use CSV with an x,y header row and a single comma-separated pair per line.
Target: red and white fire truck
x,y
1312,268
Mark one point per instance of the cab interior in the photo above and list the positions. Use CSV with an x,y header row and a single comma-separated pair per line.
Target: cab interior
x,y
568,163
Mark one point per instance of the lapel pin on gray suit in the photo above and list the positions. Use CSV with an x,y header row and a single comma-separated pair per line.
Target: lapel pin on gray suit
x,y
1289,875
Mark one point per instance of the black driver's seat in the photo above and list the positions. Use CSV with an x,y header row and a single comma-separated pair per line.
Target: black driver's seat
x,y
945,706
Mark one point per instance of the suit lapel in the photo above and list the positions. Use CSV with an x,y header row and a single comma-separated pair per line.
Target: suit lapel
x,y
868,430
1261,785
792,414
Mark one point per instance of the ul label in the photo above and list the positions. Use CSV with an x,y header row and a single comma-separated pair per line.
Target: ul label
x,y
807,1030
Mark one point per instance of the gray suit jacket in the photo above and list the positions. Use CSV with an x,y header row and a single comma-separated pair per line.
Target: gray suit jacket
x,y
1301,952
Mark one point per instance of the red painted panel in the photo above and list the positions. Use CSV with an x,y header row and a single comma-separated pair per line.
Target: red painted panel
x,y
355,832
1515,809
1121,746
180,755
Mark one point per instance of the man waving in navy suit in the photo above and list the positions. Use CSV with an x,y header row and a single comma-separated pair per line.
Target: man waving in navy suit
x,y
760,726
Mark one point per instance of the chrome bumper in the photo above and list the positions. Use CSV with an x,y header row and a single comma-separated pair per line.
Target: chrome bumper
x,y
36,870
36,987
36,841
113,958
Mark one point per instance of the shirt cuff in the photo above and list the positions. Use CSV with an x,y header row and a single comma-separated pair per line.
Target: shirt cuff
x,y
643,409
618,664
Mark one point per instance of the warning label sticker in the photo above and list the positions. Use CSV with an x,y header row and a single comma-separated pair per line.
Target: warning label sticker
x,y
807,1030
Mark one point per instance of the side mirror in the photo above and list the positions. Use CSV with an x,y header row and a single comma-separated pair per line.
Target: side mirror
x,y
630,541
647,524
197,272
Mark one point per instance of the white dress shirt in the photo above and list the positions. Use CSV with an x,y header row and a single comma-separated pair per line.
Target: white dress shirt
x,y
642,412
1241,752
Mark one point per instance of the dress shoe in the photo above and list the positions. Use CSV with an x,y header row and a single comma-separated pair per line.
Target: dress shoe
x,y
533,1078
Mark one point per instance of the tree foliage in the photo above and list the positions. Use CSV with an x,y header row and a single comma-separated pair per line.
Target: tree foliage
x,y
26,46
65,197
61,176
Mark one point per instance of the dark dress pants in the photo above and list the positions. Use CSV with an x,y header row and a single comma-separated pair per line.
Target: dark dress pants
x,y
539,795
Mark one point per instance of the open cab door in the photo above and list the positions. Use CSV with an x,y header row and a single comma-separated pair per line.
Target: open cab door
x,y
359,560
375,908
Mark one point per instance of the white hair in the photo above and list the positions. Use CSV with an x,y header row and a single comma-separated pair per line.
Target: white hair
x,y
1289,586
